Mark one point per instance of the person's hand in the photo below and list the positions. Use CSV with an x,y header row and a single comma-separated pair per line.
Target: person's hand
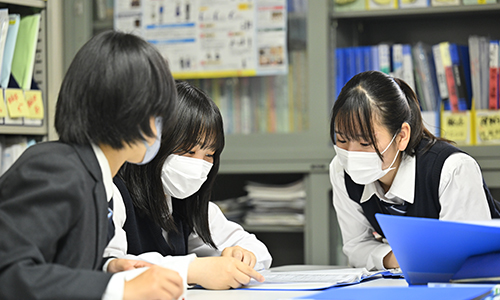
x,y
390,261
221,273
122,264
156,283
241,254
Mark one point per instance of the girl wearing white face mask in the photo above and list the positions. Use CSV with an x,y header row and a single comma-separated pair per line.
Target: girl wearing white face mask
x,y
166,216
388,162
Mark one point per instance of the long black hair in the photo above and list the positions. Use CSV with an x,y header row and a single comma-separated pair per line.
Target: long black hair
x,y
373,95
114,85
198,122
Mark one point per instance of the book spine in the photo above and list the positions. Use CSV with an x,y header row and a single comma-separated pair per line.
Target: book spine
x,y
440,74
450,78
493,90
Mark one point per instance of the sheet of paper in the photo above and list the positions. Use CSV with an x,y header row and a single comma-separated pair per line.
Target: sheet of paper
x,y
310,280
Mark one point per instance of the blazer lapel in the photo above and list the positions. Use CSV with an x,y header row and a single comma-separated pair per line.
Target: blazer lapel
x,y
89,159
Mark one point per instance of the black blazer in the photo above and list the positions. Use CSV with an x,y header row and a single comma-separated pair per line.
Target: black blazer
x,y
53,224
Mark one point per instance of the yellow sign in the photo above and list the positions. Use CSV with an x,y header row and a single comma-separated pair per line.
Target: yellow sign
x,y
16,104
488,127
35,104
456,127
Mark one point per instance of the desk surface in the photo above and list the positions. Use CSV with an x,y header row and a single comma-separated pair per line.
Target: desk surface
x,y
243,294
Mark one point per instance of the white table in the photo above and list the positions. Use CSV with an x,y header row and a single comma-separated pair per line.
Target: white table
x,y
243,294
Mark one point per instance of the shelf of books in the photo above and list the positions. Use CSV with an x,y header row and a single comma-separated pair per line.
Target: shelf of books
x,y
23,68
27,3
446,50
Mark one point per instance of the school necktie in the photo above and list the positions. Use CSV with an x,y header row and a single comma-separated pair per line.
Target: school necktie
x,y
111,225
395,209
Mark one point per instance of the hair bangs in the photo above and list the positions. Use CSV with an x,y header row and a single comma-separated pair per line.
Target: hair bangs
x,y
353,120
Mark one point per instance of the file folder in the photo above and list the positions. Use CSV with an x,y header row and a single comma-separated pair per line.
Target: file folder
x,y
431,250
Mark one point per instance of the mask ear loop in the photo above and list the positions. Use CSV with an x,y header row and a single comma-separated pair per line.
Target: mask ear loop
x,y
390,143
395,157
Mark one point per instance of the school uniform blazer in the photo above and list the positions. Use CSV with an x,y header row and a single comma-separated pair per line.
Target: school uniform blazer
x,y
53,224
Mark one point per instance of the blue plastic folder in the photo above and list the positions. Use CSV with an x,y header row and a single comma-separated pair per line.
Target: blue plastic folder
x,y
431,250
406,293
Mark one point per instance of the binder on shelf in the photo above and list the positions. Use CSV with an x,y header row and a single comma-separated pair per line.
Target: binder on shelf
x,y
340,59
10,44
459,55
4,28
494,76
479,70
375,59
384,58
425,76
359,59
440,74
23,60
452,103
350,61
408,68
397,61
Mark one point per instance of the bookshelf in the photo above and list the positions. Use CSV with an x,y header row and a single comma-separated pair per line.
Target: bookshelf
x,y
305,154
430,25
47,73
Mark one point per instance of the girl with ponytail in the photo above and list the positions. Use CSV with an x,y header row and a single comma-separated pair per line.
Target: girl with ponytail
x,y
388,162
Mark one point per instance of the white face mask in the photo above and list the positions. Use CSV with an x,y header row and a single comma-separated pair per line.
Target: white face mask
x,y
363,167
183,176
151,151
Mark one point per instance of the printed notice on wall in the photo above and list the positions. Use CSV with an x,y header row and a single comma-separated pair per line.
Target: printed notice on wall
x,y
211,38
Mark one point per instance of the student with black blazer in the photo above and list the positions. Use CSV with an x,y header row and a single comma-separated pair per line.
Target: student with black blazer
x,y
54,199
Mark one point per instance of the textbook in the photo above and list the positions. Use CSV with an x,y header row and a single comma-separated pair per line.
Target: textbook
x,y
315,279
431,250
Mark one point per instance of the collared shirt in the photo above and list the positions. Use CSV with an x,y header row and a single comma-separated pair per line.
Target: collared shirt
x,y
116,284
224,234
461,197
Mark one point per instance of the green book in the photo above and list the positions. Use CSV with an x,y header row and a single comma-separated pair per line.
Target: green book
x,y
24,52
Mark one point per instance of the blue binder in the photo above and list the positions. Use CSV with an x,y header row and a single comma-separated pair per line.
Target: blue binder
x,y
431,250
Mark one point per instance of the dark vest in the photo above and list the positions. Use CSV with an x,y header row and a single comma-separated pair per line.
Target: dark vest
x,y
143,235
426,199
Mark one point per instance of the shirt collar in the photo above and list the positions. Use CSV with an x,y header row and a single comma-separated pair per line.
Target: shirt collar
x,y
107,178
403,186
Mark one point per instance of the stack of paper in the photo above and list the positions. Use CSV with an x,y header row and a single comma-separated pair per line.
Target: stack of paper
x,y
276,204
234,209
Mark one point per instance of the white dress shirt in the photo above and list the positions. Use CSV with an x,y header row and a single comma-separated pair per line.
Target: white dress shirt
x,y
114,290
461,197
224,234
